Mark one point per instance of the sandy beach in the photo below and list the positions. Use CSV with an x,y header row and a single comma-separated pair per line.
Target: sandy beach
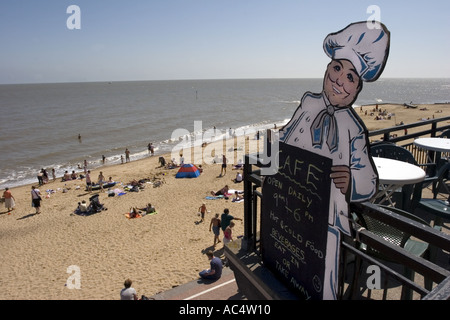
x,y
157,252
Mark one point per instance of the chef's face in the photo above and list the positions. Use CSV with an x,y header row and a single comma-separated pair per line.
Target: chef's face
x,y
341,83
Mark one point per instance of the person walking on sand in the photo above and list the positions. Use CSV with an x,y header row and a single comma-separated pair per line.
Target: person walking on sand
x,y
226,218
127,155
202,211
215,225
36,199
9,200
223,170
228,234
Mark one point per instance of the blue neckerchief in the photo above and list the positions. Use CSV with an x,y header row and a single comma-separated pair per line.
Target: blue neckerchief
x,y
325,123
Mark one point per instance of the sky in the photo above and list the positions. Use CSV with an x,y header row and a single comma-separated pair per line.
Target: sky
x,y
121,40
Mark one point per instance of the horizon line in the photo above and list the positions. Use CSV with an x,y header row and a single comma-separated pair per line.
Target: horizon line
x,y
199,79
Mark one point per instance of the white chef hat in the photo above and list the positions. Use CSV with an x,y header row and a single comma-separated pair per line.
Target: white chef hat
x,y
366,48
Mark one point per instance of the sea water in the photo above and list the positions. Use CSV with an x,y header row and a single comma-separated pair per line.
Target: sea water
x,y
41,122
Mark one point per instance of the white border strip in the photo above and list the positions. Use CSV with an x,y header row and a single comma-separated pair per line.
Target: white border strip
x,y
209,290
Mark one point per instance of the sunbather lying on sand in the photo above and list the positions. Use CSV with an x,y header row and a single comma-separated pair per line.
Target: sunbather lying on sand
x,y
221,192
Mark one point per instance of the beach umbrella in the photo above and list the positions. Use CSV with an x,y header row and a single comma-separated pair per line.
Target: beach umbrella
x,y
188,171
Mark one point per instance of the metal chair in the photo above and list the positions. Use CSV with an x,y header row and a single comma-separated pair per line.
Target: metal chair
x,y
396,237
445,134
392,235
438,208
390,150
444,156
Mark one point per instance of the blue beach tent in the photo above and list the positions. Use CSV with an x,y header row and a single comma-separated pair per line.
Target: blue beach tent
x,y
188,171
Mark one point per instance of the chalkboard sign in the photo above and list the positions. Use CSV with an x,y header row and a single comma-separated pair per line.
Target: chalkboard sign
x,y
294,220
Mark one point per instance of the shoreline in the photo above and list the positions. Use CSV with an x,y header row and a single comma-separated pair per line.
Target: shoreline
x,y
162,148
157,252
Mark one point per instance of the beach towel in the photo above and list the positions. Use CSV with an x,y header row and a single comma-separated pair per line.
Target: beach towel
x,y
131,188
106,185
140,215
232,191
80,213
117,192
90,212
214,197
129,217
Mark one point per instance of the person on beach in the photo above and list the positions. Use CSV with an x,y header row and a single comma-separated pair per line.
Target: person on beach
x,y
228,234
226,218
223,170
44,176
128,292
215,271
326,124
66,176
237,197
142,211
82,206
127,155
162,162
88,181
40,177
221,192
151,149
101,180
9,200
215,226
134,212
36,199
149,208
202,211
181,159
239,165
238,178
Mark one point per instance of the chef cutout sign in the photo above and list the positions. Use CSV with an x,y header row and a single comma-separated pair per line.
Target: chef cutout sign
x,y
323,164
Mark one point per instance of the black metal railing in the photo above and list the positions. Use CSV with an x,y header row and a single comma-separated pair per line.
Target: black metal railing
x,y
429,128
428,270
